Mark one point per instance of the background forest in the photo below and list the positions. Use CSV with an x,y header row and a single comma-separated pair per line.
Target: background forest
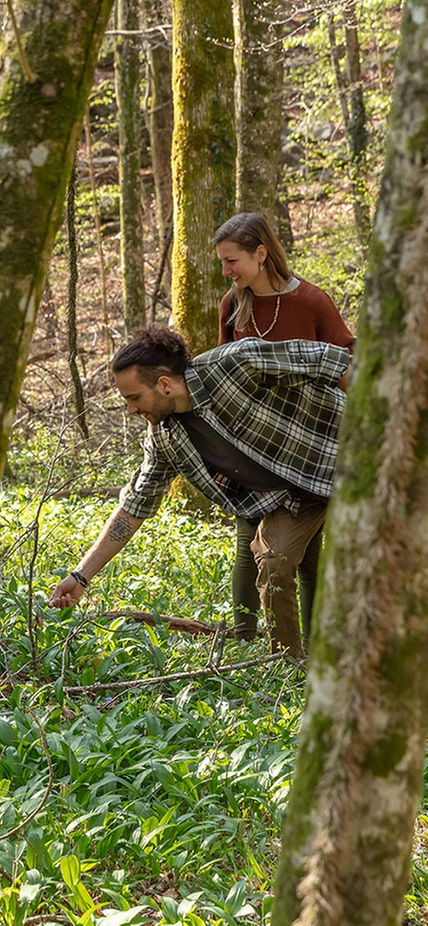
x,y
144,772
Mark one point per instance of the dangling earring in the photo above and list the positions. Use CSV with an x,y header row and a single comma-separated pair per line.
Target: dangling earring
x,y
261,266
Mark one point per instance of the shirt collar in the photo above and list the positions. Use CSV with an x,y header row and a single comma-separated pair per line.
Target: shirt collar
x,y
198,394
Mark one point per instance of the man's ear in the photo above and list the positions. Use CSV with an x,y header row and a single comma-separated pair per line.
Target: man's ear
x,y
164,384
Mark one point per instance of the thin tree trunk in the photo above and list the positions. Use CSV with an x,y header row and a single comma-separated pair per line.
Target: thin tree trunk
x,y
71,306
98,234
350,91
340,79
128,87
348,835
259,65
203,162
156,13
357,131
39,126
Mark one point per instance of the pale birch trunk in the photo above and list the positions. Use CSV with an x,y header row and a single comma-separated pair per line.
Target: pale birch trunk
x,y
203,162
259,65
41,111
128,88
348,832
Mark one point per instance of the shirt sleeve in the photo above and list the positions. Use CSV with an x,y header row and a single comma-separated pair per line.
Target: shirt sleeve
x,y
295,362
330,326
143,494
225,331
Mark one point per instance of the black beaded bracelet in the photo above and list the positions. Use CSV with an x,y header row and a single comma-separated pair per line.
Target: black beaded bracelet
x,y
80,579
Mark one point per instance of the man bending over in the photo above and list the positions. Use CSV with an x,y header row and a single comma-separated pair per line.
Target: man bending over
x,y
253,424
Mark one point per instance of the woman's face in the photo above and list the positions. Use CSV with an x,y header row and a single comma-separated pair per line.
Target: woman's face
x,y
243,267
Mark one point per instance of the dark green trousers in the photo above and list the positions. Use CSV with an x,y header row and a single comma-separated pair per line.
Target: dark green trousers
x,y
246,601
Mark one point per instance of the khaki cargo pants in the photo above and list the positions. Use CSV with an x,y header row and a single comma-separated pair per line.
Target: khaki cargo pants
x,y
278,549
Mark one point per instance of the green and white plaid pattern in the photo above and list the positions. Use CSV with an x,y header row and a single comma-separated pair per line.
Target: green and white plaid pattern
x,y
277,401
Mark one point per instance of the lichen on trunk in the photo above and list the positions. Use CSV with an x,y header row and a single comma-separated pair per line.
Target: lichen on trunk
x,y
348,831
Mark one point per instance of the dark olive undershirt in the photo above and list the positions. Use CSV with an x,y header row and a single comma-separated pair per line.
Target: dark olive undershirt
x,y
221,456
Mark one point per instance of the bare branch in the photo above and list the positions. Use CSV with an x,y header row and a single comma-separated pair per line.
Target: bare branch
x,y
177,676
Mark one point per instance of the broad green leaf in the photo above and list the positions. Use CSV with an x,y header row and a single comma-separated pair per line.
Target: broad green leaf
x,y
29,891
59,690
235,897
255,865
8,734
121,917
70,870
169,909
83,897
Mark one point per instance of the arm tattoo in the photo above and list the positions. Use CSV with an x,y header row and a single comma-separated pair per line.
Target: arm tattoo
x,y
120,529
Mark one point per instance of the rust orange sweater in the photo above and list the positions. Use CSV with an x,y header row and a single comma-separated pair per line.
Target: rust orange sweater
x,y
305,312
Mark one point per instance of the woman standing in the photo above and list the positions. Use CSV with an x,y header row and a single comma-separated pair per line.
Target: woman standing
x,y
268,301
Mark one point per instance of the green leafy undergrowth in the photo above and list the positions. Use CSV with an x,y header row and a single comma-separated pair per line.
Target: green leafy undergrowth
x,y
156,803
166,800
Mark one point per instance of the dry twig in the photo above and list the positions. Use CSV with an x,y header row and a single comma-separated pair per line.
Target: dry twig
x,y
177,676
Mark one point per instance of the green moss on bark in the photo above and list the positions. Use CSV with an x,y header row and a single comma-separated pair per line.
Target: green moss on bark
x,y
39,127
203,163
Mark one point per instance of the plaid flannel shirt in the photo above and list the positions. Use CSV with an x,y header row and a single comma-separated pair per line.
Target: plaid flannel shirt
x,y
277,401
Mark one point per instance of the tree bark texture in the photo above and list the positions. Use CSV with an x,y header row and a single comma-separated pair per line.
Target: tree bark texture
x,y
357,131
259,65
73,276
128,88
160,118
203,162
350,91
348,833
39,127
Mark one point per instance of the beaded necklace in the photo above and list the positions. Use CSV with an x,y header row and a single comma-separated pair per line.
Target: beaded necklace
x,y
262,334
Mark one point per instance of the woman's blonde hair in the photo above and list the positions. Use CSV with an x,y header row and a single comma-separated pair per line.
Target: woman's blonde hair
x,y
248,230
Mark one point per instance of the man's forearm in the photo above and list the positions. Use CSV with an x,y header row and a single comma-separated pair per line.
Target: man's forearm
x,y
115,534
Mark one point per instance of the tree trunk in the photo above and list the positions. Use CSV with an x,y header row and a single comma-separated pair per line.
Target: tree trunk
x,y
357,132
259,64
128,87
40,121
203,162
155,15
79,400
350,91
349,825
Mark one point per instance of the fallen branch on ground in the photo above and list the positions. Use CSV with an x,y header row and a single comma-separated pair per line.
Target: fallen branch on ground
x,y
177,676
175,623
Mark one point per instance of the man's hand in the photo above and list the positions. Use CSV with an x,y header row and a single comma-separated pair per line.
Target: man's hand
x,y
343,382
66,594
120,527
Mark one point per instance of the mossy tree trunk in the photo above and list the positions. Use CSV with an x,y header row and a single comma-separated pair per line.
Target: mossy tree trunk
x,y
259,64
156,16
40,121
128,89
349,826
203,162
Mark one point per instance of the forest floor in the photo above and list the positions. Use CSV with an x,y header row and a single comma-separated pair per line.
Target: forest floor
x,y
161,801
